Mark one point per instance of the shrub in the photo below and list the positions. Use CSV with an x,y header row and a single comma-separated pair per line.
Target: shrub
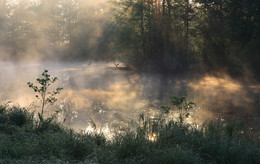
x,y
19,117
43,94
183,106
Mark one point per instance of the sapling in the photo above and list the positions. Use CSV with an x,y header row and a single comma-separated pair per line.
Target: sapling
x,y
42,92
183,106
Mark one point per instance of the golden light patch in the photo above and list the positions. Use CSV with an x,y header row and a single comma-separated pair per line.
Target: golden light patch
x,y
222,94
214,83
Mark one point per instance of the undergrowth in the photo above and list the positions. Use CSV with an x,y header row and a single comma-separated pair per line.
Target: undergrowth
x,y
26,140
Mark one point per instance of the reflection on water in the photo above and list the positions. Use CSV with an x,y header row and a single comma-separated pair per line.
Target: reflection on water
x,y
112,97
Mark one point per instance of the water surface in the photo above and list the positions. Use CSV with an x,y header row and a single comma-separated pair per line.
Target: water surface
x,y
113,96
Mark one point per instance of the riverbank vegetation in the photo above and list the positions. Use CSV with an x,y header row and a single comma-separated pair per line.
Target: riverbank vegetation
x,y
25,139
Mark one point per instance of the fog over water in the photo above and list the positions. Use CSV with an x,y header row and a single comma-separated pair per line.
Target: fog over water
x,y
114,97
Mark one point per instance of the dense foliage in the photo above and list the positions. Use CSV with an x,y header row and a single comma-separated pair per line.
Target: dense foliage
x,y
26,140
183,35
162,35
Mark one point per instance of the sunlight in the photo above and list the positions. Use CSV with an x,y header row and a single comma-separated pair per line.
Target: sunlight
x,y
152,137
102,130
214,83
89,129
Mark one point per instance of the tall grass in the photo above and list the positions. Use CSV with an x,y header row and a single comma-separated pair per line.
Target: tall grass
x,y
26,140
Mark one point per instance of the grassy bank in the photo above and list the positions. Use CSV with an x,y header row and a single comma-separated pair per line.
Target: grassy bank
x,y
26,140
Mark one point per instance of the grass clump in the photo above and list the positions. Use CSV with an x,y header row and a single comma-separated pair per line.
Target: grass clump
x,y
26,140
23,138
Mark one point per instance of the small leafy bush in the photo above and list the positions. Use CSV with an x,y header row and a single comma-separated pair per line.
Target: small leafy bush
x,y
41,89
183,106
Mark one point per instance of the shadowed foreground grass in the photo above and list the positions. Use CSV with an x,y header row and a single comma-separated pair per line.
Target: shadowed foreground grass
x,y
26,140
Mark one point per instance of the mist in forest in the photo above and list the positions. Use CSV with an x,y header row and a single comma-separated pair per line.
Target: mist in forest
x,y
164,49
36,30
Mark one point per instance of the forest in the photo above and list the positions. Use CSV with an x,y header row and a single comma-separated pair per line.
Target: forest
x,y
147,35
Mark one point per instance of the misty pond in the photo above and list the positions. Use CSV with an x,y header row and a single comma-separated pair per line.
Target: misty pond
x,y
111,96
